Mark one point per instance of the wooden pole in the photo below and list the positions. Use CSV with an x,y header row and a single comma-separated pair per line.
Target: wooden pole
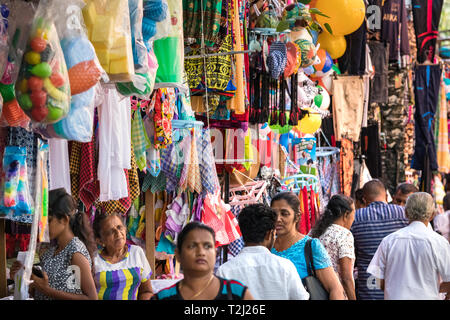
x,y
150,200
3,280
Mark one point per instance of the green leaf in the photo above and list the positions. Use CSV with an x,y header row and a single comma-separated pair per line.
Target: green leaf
x,y
327,26
282,25
317,12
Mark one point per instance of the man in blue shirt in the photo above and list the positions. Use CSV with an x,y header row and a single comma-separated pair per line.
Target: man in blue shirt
x,y
372,223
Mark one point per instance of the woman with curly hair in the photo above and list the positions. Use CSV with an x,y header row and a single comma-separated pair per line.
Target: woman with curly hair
x,y
333,231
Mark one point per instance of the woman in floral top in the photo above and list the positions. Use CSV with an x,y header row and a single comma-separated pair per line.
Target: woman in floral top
x,y
333,231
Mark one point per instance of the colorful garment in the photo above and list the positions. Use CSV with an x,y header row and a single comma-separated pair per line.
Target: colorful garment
x,y
121,280
346,165
237,291
192,20
296,254
164,110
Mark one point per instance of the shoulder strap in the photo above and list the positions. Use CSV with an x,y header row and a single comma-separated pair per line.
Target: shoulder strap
x,y
229,293
309,258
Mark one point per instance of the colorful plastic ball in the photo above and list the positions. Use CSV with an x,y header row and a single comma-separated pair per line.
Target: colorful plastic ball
x,y
25,101
322,100
32,58
35,83
38,98
39,113
38,44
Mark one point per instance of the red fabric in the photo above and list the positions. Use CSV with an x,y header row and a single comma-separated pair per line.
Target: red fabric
x,y
306,213
313,207
89,185
302,225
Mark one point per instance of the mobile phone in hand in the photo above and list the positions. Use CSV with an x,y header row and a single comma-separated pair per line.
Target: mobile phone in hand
x,y
37,271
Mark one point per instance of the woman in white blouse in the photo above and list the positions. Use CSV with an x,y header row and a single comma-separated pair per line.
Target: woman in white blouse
x,y
333,231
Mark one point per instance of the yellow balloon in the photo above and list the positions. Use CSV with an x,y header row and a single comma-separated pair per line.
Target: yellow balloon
x,y
310,123
345,16
334,45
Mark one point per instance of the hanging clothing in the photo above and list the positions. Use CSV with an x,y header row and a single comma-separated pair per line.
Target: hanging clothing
x,y
353,61
59,170
443,149
426,89
348,106
114,135
379,53
370,145
394,28
427,14
346,166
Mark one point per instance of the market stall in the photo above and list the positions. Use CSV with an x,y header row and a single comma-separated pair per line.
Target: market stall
x,y
169,111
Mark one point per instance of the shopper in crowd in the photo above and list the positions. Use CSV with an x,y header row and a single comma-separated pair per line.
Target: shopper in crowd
x,y
359,203
196,253
402,192
290,244
122,271
268,276
333,231
411,261
67,265
371,225
442,221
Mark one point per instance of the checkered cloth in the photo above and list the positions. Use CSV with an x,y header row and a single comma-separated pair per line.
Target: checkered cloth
x,y
208,172
155,184
124,204
139,139
236,246
169,167
74,164
89,187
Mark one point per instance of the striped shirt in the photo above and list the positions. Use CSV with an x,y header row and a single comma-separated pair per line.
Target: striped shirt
x,y
121,281
371,225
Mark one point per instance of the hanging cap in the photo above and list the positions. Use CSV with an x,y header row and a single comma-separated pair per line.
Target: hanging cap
x,y
277,59
293,59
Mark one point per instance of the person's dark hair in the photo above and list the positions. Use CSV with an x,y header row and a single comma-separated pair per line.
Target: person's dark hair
x,y
359,195
406,188
98,220
292,200
447,201
373,189
255,220
194,225
337,207
60,205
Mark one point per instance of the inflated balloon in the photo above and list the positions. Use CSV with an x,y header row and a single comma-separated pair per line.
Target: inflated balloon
x,y
334,45
284,140
322,100
310,123
345,16
325,62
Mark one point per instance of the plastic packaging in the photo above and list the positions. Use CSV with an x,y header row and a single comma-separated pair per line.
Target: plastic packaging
x,y
170,51
84,71
42,87
162,16
15,195
108,25
4,48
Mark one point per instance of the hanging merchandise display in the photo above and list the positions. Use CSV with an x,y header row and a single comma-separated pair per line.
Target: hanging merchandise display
x,y
42,87
108,25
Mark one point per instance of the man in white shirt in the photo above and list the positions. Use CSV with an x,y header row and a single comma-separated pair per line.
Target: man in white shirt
x,y
267,276
413,263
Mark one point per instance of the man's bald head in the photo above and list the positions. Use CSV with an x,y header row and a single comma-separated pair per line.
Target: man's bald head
x,y
374,190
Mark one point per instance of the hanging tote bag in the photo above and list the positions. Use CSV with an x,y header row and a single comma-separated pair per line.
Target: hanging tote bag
x,y
311,282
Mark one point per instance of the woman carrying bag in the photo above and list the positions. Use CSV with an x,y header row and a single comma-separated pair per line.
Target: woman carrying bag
x,y
293,245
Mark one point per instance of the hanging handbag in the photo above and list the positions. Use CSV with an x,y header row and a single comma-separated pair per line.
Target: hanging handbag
x,y
311,282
